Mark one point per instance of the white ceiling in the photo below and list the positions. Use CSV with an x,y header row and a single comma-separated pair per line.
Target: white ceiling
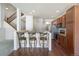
x,y
11,9
44,10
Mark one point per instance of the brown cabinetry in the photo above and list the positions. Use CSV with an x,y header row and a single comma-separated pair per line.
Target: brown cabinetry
x,y
58,20
54,22
61,41
63,20
67,21
70,21
72,29
69,31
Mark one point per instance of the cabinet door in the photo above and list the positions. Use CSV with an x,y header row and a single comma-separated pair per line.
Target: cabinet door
x,y
69,31
61,19
62,41
58,40
64,21
58,20
69,39
70,16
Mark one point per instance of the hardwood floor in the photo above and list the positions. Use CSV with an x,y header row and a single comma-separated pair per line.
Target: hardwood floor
x,y
56,51
30,52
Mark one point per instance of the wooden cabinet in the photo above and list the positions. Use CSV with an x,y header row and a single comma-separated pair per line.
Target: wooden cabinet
x,y
63,20
58,21
69,31
72,29
61,41
69,40
67,21
54,22
58,40
71,22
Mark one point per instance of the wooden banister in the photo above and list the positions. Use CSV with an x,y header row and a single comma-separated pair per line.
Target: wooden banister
x,y
12,17
11,25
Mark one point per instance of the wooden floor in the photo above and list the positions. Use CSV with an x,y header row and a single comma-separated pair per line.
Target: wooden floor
x,y
56,51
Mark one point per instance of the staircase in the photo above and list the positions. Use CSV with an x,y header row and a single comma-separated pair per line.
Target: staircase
x,y
12,18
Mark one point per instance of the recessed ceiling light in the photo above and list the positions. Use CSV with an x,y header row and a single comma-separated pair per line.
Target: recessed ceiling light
x,y
57,11
6,8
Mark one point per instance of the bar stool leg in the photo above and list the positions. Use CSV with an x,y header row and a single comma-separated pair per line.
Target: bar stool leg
x,y
43,43
25,43
34,44
19,44
29,44
31,48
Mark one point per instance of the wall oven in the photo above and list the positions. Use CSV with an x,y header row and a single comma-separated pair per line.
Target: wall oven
x,y
62,31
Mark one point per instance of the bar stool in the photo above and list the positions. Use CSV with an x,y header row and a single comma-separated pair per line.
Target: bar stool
x,y
43,38
21,38
32,38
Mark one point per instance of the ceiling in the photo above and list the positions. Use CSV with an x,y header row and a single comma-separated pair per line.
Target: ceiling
x,y
44,10
9,9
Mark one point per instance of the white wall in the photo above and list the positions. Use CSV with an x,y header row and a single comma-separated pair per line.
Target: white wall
x,y
2,30
49,21
29,23
11,9
22,25
6,31
40,24
0,15
9,31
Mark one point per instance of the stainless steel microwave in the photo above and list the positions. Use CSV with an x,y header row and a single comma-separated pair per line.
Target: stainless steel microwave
x,y
62,31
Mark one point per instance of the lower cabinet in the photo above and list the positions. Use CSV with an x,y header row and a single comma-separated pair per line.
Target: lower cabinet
x,y
69,39
61,41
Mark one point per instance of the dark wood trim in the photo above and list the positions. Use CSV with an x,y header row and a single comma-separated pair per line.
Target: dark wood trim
x,y
10,24
12,17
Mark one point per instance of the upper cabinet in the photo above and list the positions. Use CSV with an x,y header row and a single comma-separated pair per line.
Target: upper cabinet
x,y
54,22
61,22
70,31
63,18
70,14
